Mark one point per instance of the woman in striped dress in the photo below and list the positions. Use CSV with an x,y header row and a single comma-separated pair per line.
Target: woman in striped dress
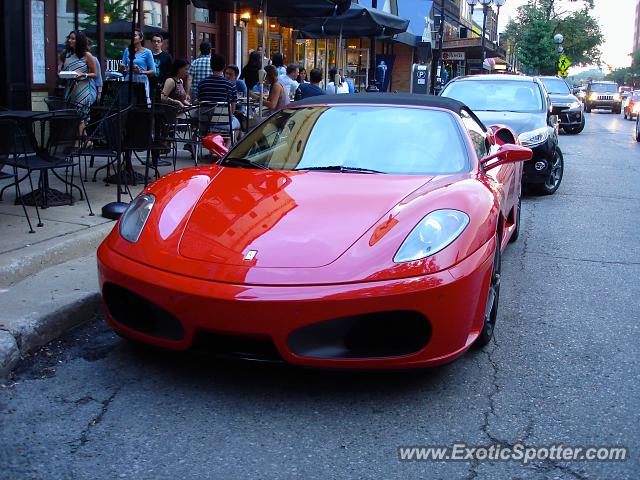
x,y
82,91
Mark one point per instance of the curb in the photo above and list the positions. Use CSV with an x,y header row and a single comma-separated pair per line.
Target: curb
x,y
49,253
45,305
46,329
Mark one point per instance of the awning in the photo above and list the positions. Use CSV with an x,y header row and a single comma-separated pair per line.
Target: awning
x,y
415,11
278,8
357,22
121,29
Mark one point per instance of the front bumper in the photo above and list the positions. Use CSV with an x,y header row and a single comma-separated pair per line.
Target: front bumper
x,y
452,301
604,104
537,170
571,118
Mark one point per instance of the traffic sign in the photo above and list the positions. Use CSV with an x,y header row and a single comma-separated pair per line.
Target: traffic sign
x,y
563,73
563,63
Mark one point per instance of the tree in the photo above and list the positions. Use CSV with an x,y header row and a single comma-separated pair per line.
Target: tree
x,y
114,10
538,21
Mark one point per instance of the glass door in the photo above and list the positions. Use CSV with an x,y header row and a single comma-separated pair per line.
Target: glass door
x,y
358,67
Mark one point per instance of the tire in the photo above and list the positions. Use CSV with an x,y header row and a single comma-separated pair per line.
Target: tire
x,y
617,110
636,132
493,297
516,231
587,108
576,130
551,185
624,114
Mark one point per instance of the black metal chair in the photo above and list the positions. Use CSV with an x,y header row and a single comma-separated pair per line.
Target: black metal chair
x,y
8,151
165,134
59,103
52,146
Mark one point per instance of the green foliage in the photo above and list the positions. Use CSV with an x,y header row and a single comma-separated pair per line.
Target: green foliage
x,y
627,75
537,22
115,10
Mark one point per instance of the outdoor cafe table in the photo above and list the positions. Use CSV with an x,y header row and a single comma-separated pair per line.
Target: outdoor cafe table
x,y
44,196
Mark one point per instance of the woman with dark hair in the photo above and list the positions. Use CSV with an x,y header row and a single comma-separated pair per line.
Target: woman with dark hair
x,y
143,63
333,88
277,60
173,91
302,75
278,96
250,71
80,91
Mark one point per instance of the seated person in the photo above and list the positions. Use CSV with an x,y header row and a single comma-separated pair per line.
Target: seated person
x,y
215,88
306,90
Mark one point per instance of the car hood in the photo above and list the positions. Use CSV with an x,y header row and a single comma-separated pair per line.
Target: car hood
x,y
280,219
562,99
518,122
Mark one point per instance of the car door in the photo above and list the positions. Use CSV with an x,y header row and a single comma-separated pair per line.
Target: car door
x,y
504,175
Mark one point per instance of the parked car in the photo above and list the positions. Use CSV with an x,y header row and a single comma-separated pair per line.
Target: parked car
x,y
603,95
522,104
571,110
631,105
624,92
350,231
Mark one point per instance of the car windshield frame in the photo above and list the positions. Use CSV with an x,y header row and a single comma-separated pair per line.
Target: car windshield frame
x,y
555,81
610,88
487,106
349,138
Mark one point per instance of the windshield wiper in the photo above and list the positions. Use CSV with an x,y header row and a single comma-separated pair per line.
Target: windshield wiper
x,y
246,161
341,168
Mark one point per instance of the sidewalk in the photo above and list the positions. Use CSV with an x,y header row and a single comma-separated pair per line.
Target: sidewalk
x,y
48,279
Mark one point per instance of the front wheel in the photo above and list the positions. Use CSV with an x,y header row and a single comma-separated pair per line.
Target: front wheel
x,y
637,129
493,296
553,180
516,231
587,108
617,110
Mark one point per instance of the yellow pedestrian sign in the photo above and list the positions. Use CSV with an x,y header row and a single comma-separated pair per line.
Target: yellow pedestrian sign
x,y
563,63
563,73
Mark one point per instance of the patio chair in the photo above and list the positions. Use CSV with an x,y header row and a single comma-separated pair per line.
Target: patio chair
x,y
8,151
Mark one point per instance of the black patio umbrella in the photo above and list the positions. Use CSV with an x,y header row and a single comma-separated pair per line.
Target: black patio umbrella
x,y
356,22
278,8
121,29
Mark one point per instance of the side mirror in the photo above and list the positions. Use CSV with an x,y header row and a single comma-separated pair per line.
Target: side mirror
x,y
507,153
215,144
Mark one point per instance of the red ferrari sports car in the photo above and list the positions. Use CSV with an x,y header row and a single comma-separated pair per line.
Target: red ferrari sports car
x,y
352,231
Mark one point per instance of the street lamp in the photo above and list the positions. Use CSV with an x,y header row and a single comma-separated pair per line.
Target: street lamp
x,y
499,3
486,4
472,4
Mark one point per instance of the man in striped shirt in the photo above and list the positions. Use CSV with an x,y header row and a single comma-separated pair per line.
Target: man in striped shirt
x,y
199,70
216,88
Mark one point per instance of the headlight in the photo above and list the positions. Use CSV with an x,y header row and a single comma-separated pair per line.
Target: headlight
x,y
594,97
574,105
616,97
636,107
135,217
535,137
435,232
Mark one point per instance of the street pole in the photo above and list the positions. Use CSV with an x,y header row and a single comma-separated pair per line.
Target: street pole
x,y
440,46
485,8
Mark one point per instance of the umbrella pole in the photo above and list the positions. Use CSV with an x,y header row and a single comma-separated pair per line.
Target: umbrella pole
x,y
262,73
338,58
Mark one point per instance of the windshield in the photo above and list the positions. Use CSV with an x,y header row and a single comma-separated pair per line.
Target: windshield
x,y
556,86
604,87
355,139
496,95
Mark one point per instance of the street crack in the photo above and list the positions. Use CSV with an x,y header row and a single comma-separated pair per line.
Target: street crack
x,y
84,435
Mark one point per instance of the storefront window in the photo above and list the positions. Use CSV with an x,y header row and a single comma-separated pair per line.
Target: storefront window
x,y
204,15
153,13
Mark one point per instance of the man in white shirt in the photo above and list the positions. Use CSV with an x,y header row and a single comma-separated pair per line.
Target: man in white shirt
x,y
288,81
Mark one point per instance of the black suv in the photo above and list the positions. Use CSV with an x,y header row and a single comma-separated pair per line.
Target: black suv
x,y
571,110
603,95
522,104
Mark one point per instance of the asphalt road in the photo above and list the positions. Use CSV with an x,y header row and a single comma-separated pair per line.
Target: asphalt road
x,y
564,369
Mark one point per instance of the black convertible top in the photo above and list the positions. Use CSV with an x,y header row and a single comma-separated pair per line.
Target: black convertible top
x,y
385,99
